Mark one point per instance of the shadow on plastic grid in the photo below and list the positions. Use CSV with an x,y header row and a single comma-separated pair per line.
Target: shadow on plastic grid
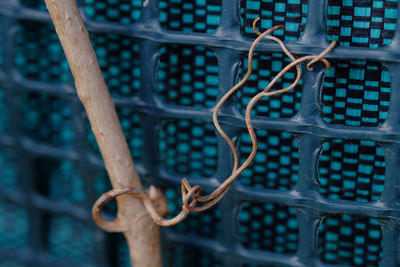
x,y
356,93
188,148
362,23
350,240
187,76
32,41
276,163
290,13
351,170
268,226
265,68
190,16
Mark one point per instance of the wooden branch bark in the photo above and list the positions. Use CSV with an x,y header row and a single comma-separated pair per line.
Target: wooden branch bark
x,y
141,232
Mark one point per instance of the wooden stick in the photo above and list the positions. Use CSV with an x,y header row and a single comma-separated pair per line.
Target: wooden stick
x,y
141,232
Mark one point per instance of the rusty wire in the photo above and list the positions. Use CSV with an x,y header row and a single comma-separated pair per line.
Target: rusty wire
x,y
191,196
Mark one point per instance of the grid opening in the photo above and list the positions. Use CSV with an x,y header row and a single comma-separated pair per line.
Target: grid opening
x,y
351,170
33,40
14,226
69,239
268,226
276,163
8,169
188,147
290,13
118,57
190,16
265,68
57,179
356,93
188,76
123,12
46,118
361,23
350,240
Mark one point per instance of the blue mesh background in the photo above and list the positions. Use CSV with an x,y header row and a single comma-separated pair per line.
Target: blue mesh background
x,y
322,190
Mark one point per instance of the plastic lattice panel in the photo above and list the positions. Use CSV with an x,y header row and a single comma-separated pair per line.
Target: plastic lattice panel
x,y
322,190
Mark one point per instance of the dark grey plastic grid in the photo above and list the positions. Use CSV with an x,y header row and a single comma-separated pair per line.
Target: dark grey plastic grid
x,y
275,224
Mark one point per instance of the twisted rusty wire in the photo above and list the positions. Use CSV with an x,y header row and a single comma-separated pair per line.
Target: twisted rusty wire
x,y
191,196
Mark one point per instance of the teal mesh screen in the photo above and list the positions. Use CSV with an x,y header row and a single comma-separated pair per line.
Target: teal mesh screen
x,y
190,16
342,240
187,76
290,13
356,93
123,12
322,190
119,61
276,164
362,23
